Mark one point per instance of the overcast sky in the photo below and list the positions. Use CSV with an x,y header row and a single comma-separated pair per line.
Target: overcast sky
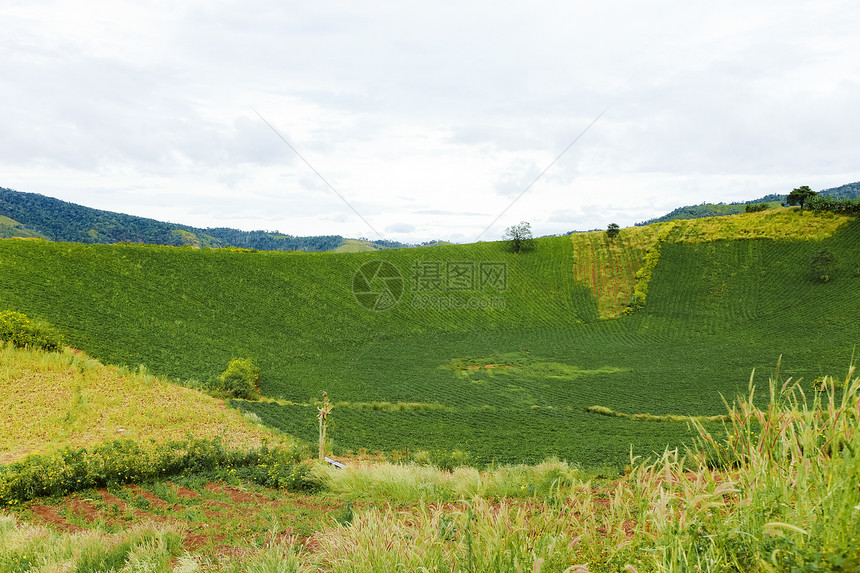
x,y
428,118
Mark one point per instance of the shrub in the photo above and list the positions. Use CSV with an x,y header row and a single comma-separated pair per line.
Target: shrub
x,y
240,379
22,332
756,207
612,230
125,461
823,265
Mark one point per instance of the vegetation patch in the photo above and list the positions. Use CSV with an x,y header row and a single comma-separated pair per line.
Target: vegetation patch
x,y
522,365
775,224
609,266
604,411
21,331
126,461
49,401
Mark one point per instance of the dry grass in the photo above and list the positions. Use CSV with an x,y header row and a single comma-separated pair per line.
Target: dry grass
x,y
608,266
774,224
52,400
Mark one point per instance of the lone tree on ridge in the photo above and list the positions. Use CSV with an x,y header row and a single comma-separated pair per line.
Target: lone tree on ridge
x,y
519,237
612,230
800,196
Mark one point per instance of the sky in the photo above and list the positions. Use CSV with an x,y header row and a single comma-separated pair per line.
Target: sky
x,y
415,121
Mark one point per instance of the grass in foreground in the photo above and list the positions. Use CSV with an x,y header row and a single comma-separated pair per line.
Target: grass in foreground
x,y
779,494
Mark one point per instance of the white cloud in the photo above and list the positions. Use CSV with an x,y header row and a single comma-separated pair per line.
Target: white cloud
x,y
416,111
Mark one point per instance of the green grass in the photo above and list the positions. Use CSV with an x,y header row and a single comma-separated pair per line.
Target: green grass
x,y
778,493
715,311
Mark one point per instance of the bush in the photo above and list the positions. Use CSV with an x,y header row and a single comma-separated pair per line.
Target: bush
x,y
823,265
756,207
112,464
23,332
240,379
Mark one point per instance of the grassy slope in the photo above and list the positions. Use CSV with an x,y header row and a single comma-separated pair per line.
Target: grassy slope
x,y
355,246
10,228
715,311
52,400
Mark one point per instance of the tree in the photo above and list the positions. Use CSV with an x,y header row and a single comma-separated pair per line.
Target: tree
x,y
612,230
240,379
823,265
800,196
519,237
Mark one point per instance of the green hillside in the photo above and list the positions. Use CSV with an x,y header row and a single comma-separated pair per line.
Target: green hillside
x,y
494,354
36,215
10,228
849,191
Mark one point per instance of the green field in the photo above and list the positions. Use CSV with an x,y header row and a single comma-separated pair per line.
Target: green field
x,y
715,311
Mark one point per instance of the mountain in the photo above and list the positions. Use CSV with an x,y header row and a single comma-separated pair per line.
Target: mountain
x,y
471,348
849,191
39,216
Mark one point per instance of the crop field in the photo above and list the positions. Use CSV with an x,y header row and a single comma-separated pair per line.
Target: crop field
x,y
500,354
608,266
212,520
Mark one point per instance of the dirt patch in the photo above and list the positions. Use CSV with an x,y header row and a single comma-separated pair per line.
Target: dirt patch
x,y
184,491
214,527
237,496
49,515
153,499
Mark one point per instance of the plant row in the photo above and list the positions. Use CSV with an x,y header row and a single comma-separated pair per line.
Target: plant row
x,y
125,461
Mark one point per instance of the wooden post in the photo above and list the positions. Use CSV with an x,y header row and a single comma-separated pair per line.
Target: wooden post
x,y
323,417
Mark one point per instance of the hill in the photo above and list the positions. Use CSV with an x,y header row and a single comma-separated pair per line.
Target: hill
x,y
34,215
10,228
53,400
849,191
470,347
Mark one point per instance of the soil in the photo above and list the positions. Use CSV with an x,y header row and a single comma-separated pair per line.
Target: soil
x,y
220,526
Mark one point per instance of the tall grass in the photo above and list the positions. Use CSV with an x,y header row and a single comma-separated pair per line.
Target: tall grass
x,y
780,493
32,548
404,484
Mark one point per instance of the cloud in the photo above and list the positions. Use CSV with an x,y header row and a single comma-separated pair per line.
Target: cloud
x,y
432,116
400,228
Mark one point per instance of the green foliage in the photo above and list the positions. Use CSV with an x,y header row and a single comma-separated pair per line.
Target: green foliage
x,y
125,461
519,237
848,191
823,265
823,203
23,332
241,379
756,207
38,215
800,196
714,311
643,275
612,230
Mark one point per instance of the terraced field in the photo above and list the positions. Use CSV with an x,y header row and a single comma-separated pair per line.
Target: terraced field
x,y
716,310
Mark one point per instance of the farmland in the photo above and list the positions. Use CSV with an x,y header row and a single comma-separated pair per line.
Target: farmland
x,y
537,335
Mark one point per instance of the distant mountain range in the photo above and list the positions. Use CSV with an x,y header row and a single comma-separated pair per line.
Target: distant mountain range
x,y
32,215
849,191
